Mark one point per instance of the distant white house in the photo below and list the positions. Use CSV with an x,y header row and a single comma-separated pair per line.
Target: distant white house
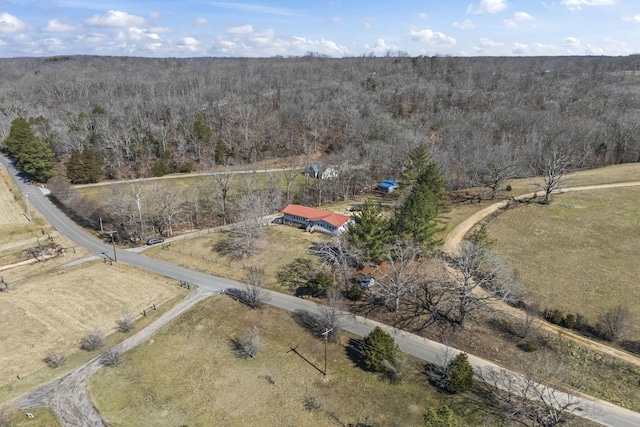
x,y
364,280
316,219
320,171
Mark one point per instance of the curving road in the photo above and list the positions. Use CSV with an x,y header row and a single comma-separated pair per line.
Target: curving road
x,y
72,415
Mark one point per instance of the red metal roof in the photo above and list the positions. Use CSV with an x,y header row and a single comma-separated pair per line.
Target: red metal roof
x,y
311,214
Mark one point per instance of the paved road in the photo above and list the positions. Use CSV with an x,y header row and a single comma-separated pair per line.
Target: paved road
x,y
430,351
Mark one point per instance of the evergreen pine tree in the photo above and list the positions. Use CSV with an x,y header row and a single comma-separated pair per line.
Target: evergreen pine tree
x,y
442,417
378,347
460,374
417,219
370,230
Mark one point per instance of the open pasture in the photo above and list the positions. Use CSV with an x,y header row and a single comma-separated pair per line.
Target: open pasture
x,y
578,254
188,374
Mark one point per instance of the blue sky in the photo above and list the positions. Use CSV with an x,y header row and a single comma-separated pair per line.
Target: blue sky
x,y
256,28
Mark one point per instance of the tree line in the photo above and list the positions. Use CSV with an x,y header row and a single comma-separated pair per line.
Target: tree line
x,y
481,118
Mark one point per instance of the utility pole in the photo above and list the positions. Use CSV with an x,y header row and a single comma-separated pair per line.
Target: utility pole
x,y
26,196
325,334
113,243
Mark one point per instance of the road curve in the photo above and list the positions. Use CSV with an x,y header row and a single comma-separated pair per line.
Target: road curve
x,y
430,351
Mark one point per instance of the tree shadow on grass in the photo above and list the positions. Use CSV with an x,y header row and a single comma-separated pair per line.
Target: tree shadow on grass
x,y
352,351
308,321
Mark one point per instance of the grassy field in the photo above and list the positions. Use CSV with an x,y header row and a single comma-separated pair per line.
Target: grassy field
x,y
188,374
577,254
281,245
50,308
53,311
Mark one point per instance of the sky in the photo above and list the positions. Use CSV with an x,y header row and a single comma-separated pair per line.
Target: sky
x,y
337,28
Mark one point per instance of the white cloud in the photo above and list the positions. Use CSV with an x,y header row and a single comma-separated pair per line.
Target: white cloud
x,y
520,49
610,47
53,42
10,24
160,30
116,18
484,42
336,19
433,38
55,26
423,16
381,47
518,17
464,25
246,41
571,42
488,6
369,21
200,21
522,17
188,43
245,29
632,18
255,8
154,47
577,4
154,15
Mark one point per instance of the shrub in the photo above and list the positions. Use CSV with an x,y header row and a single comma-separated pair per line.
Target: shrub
x,y
615,324
354,293
569,321
92,340
377,347
442,417
249,345
460,374
312,404
55,359
528,346
111,357
126,323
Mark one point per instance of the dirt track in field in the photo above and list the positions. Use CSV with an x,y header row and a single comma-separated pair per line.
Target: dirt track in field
x,y
68,397
454,239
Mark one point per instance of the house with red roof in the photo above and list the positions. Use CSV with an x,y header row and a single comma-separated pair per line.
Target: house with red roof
x,y
315,219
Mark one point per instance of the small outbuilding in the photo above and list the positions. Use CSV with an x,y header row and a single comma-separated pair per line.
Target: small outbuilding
x,y
320,171
364,280
387,186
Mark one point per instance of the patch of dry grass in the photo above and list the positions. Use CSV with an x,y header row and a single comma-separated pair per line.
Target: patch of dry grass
x,y
187,374
52,311
281,245
42,417
577,254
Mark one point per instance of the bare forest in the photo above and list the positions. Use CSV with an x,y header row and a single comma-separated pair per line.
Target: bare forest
x,y
483,120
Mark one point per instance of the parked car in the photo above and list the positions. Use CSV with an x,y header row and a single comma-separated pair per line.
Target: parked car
x,y
154,241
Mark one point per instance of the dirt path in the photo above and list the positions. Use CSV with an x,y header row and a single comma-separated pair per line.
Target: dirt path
x,y
68,396
456,236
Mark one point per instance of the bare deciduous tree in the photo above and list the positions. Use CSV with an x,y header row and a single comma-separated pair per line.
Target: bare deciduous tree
x,y
338,255
330,315
524,398
255,295
249,345
615,323
400,275
553,173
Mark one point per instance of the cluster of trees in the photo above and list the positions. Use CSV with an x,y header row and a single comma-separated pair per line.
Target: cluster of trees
x,y
33,154
482,118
